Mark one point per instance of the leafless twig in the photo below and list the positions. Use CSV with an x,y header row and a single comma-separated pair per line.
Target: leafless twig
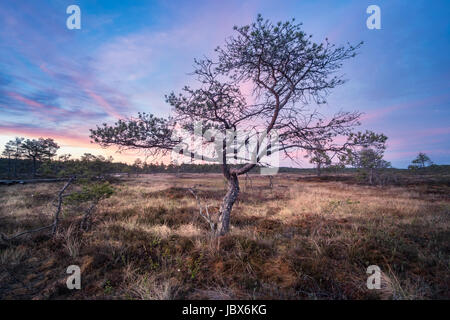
x,y
60,200
54,225
203,213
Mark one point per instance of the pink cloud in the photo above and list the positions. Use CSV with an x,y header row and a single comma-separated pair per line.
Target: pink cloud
x,y
418,137
34,104
103,103
86,85
381,112
32,132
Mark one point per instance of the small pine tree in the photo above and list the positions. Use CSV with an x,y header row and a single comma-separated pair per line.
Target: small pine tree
x,y
421,161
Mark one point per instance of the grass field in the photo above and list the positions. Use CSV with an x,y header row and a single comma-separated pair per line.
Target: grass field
x,y
306,238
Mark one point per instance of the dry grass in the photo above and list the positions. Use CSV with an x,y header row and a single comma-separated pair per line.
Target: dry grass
x,y
305,239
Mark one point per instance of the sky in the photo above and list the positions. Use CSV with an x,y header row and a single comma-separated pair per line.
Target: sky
x,y
59,83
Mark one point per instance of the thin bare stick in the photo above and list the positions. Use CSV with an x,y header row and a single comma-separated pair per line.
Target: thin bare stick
x,y
60,200
54,225
5,238
205,215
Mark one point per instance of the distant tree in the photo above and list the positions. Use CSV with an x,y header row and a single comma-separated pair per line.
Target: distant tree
x,y
368,156
422,161
320,159
137,166
88,157
138,163
287,72
371,160
38,150
8,153
14,151
64,157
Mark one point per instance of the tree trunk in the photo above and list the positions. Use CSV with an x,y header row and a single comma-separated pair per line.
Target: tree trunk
x,y
34,167
230,198
318,170
9,166
15,168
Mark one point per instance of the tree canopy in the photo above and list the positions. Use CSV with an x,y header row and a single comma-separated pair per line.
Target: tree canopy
x,y
421,161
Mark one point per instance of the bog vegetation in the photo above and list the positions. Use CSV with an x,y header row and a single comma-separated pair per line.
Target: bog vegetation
x,y
305,238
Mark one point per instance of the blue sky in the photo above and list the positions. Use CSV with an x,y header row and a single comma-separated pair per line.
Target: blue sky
x,y
58,83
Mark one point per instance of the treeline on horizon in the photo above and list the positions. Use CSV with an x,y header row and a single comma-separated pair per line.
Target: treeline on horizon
x,y
89,165
37,158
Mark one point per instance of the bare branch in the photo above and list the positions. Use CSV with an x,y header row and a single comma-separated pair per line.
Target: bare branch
x,y
55,223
